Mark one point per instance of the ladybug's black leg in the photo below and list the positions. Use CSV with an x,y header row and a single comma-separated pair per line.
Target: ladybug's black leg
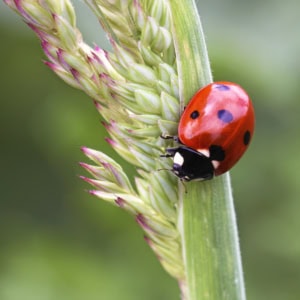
x,y
170,137
170,152
167,137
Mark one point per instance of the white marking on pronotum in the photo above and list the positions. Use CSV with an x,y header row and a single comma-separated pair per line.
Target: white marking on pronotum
x,y
178,159
215,164
205,152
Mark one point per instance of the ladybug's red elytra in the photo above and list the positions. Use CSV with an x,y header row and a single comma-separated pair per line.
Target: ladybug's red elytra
x,y
214,131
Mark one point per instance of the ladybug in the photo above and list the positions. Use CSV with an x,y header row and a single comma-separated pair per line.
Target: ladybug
x,y
214,131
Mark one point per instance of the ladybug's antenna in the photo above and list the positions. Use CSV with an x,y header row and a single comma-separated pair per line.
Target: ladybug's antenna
x,y
166,155
164,169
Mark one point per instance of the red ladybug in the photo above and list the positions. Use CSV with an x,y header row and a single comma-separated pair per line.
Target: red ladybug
x,y
214,131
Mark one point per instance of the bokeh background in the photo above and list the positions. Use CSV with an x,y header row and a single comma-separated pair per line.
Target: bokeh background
x,y
58,242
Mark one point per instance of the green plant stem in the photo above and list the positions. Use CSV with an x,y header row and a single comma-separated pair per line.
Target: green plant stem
x,y
206,213
210,239
191,53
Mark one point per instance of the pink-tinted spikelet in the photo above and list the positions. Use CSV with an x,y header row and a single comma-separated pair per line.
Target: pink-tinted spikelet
x,y
25,15
120,202
111,142
141,220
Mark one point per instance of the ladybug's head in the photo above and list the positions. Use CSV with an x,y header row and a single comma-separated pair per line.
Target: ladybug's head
x,y
189,164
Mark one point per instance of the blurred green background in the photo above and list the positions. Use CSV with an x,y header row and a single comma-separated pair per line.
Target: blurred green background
x,y
58,242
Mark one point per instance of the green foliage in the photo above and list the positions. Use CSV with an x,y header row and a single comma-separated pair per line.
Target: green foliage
x,y
55,239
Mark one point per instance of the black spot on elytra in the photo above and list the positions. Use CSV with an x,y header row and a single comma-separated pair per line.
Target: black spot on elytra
x,y
195,114
247,137
225,115
222,87
216,153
